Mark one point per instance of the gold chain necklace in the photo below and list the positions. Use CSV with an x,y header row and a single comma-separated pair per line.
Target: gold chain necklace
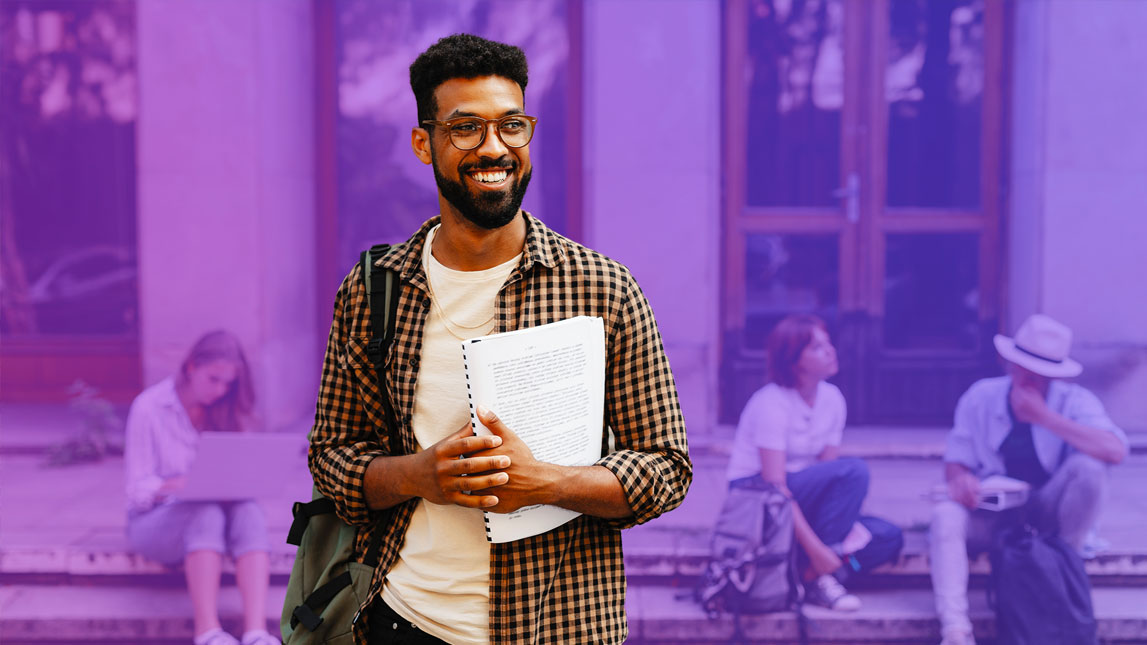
x,y
449,324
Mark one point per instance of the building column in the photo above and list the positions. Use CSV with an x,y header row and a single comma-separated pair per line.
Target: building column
x,y
226,190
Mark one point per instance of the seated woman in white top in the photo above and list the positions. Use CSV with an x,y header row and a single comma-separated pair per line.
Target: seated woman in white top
x,y
211,392
790,434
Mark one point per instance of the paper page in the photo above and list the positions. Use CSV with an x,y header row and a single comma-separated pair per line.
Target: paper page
x,y
547,384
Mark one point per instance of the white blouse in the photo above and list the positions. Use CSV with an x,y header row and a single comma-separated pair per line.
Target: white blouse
x,y
160,443
777,418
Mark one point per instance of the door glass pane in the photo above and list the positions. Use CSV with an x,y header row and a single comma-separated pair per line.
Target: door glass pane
x,y
931,292
934,84
789,274
796,90
67,170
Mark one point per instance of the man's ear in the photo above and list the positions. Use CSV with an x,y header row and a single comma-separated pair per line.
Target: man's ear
x,y
420,142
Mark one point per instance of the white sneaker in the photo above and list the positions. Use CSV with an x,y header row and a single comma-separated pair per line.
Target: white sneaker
x,y
827,591
958,637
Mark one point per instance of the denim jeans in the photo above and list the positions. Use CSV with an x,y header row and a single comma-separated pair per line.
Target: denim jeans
x,y
170,531
829,494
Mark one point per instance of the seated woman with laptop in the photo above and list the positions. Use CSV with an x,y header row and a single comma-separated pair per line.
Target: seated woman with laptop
x,y
212,392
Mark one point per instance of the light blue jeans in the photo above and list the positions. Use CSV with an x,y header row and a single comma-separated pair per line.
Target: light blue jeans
x,y
1067,505
170,531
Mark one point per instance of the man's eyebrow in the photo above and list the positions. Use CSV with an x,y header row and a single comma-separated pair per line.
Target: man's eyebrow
x,y
460,113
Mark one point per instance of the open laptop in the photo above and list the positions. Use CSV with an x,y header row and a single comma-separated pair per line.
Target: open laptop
x,y
245,465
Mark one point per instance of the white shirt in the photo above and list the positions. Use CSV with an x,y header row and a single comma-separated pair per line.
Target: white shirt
x,y
441,579
160,442
982,423
777,418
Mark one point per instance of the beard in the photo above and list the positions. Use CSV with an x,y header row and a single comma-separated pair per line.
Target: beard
x,y
489,210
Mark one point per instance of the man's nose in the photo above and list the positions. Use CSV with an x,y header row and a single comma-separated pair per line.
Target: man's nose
x,y
492,145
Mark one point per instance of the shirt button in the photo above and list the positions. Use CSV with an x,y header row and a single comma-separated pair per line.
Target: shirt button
x,y
426,302
394,626
414,361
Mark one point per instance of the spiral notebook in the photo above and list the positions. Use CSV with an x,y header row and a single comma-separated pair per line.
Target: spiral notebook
x,y
547,384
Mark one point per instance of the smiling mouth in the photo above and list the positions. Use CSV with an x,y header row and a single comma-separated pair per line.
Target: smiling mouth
x,y
489,176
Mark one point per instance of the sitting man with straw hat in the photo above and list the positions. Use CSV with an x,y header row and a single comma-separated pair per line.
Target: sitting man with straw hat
x,y
1030,426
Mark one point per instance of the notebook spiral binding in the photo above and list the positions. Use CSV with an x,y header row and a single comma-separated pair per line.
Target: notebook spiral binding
x,y
473,420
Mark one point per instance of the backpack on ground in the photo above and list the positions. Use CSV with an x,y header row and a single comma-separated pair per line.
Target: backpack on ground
x,y
1040,591
327,585
752,563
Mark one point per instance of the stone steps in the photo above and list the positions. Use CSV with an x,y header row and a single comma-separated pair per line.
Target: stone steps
x,y
658,615
679,559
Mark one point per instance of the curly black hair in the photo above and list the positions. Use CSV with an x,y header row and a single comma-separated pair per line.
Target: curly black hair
x,y
463,56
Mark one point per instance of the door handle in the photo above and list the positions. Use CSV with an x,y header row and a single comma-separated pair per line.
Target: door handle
x,y
850,192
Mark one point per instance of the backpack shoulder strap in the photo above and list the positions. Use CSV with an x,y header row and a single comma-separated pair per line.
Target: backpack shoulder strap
x,y
381,289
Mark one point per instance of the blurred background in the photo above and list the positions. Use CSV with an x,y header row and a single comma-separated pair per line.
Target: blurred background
x,y
922,174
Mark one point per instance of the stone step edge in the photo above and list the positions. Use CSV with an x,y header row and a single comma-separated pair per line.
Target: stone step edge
x,y
656,562
658,615
891,616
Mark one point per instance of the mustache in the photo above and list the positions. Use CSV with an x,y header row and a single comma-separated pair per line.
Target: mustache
x,y
502,163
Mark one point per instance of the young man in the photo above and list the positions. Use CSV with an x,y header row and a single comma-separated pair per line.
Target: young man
x,y
1029,426
485,266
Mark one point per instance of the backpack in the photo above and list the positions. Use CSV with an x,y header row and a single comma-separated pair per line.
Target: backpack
x,y
327,585
752,564
1040,591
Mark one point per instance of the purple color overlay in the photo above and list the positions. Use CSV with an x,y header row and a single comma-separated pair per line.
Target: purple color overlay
x,y
922,175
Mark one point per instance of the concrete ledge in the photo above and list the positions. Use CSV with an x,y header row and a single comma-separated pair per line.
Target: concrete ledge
x,y
682,557
658,615
113,614
871,442
660,557
81,562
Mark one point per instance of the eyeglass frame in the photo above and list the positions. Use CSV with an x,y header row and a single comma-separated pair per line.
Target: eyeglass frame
x,y
485,128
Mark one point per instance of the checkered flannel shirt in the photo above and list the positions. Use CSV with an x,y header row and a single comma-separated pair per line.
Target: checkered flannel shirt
x,y
563,586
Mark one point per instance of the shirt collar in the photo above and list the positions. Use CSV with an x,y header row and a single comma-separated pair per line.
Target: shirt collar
x,y
1056,395
543,246
168,396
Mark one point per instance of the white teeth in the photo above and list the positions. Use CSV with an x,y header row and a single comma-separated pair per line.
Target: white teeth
x,y
490,177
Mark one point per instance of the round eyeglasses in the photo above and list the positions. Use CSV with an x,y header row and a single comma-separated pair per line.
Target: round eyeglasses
x,y
468,132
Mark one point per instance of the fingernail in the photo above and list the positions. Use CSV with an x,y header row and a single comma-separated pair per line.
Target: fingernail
x,y
502,478
484,411
491,501
497,440
504,462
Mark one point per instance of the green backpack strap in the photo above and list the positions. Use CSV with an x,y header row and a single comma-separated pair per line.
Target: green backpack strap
x,y
305,613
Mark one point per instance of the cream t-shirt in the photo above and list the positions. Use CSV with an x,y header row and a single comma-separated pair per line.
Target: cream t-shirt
x,y
777,418
441,579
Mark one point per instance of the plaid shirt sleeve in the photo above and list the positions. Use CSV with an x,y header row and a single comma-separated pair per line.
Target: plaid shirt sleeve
x,y
652,457
343,440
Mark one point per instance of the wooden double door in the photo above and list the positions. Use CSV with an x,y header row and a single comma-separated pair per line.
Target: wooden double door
x,y
863,158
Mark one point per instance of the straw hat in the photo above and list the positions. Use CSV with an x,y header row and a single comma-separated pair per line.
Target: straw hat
x,y
1041,345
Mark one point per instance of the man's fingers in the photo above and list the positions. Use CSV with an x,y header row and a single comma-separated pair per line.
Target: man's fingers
x,y
482,482
473,501
474,465
456,446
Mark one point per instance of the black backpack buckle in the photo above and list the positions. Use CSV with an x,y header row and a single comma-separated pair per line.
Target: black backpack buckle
x,y
374,352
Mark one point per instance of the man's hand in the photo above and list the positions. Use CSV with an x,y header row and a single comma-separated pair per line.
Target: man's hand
x,y
447,470
1028,404
963,487
530,480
